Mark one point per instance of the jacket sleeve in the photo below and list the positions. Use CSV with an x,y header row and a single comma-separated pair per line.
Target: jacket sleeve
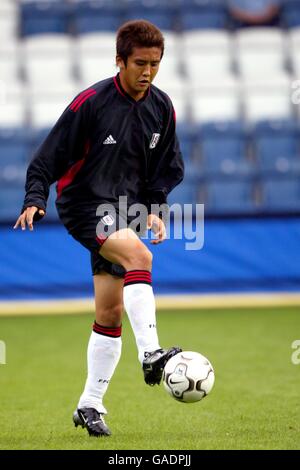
x,y
166,166
63,147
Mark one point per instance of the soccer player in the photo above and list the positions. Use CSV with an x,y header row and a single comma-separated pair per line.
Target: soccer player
x,y
116,139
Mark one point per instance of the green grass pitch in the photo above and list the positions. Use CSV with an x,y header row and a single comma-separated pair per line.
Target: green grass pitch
x,y
254,404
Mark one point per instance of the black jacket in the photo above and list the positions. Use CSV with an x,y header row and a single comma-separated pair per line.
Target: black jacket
x,y
107,145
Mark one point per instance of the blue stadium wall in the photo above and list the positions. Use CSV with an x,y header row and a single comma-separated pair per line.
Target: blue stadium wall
x,y
243,255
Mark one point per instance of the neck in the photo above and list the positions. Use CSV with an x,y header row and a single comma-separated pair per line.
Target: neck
x,y
136,95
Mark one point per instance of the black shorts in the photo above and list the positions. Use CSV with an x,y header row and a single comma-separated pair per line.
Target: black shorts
x,y
92,235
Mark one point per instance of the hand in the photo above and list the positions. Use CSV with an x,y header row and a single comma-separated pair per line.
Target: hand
x,y
158,227
27,217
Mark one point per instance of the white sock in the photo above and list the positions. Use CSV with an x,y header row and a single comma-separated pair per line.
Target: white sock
x,y
103,355
140,307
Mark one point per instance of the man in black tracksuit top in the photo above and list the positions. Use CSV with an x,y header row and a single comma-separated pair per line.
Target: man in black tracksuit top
x,y
116,139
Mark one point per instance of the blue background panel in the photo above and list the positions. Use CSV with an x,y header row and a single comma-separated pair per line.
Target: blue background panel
x,y
238,255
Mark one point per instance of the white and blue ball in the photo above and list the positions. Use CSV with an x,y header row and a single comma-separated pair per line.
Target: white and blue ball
x,y
188,376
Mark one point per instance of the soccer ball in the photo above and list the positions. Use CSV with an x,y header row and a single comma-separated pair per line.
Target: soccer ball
x,y
188,376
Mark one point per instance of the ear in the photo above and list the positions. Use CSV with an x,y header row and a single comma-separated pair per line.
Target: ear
x,y
120,62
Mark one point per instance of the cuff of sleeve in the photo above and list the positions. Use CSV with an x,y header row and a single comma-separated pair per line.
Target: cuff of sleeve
x,y
157,197
40,206
157,204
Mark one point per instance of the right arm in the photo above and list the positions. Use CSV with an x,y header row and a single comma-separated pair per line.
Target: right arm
x,y
61,149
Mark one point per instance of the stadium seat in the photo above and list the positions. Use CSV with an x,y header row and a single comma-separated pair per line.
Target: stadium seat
x,y
260,63
49,55
207,84
14,146
295,60
11,201
187,139
13,90
96,42
56,92
10,47
90,16
212,63
198,72
230,196
52,43
9,67
207,56
281,193
267,103
9,24
176,91
206,39
95,57
13,113
8,6
259,37
202,19
8,27
198,14
224,149
94,67
260,52
14,151
293,45
39,68
290,14
159,12
277,147
170,67
45,112
185,193
182,107
293,36
39,17
173,42
215,102
279,81
206,53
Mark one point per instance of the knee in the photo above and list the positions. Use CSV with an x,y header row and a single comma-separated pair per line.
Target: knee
x,y
116,314
145,257
139,258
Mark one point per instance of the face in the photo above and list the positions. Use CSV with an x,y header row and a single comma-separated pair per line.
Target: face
x,y
140,70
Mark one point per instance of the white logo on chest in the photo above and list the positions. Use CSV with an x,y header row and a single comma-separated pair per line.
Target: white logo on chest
x,y
109,140
154,141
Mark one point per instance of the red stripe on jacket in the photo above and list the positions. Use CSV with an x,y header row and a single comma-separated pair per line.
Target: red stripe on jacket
x,y
69,176
82,98
117,86
101,239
